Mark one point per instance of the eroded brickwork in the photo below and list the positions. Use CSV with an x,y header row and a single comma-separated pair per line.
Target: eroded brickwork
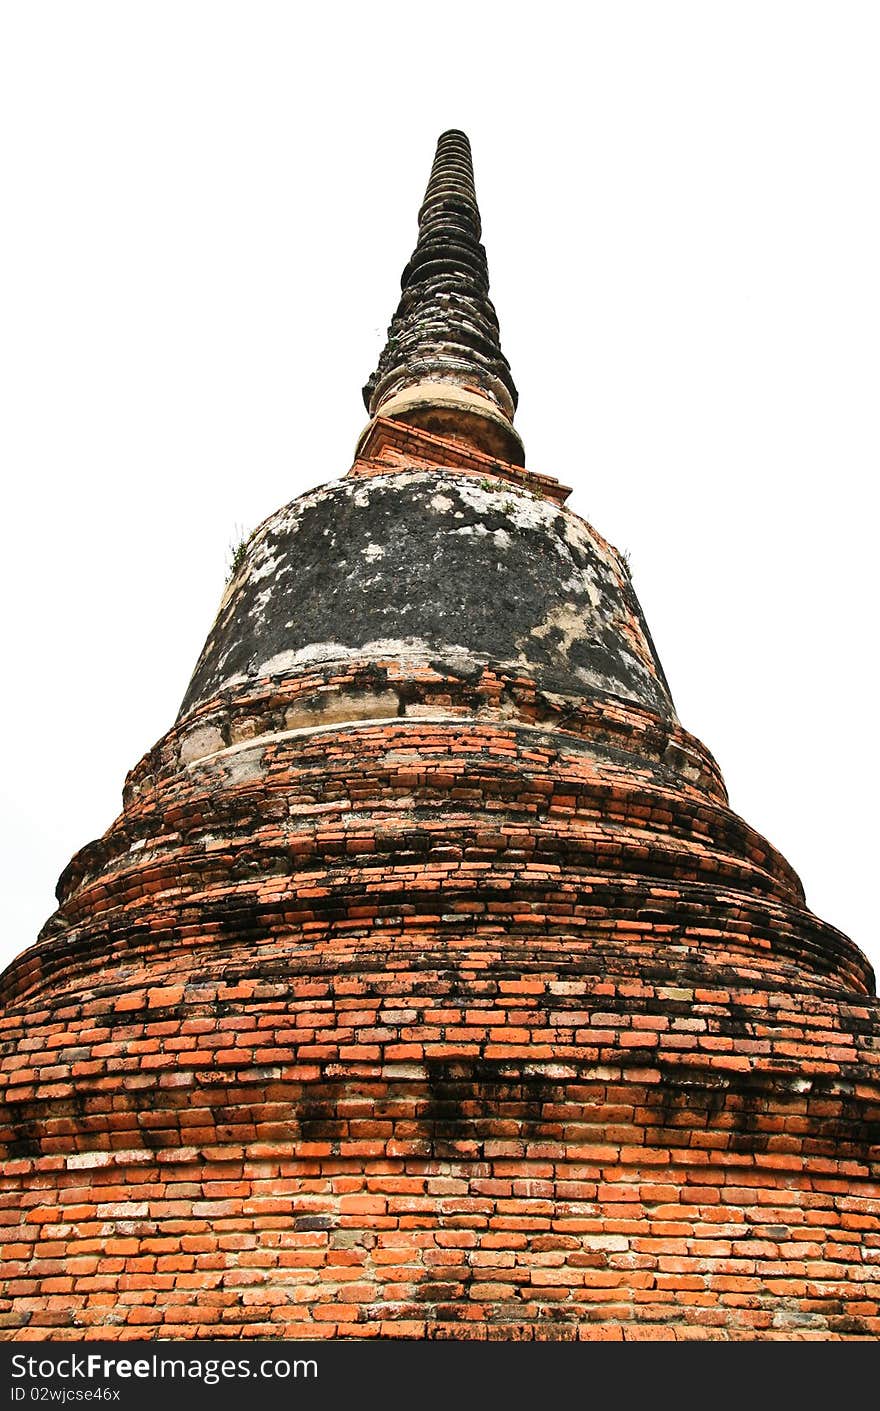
x,y
438,1028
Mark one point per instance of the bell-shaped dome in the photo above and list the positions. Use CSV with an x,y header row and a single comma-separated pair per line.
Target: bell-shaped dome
x,y
434,566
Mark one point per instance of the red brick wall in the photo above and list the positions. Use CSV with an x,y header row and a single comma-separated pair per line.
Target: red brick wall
x,y
462,1027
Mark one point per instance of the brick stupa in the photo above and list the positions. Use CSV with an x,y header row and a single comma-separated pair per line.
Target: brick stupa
x,y
426,985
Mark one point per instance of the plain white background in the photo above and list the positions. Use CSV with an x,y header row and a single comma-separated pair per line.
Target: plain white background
x,y
207,209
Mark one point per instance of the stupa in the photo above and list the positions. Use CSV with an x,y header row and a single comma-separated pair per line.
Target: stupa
x,y
426,985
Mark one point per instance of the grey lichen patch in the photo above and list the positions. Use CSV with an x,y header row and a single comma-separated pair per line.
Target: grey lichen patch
x,y
341,707
326,653
244,765
198,743
433,564
564,622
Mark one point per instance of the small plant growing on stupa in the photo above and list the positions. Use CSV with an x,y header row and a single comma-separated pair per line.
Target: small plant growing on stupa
x,y
237,551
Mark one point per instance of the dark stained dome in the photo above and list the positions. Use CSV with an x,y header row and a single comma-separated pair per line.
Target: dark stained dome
x,y
426,565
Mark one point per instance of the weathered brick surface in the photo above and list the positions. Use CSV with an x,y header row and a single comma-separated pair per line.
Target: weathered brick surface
x,y
448,1028
426,985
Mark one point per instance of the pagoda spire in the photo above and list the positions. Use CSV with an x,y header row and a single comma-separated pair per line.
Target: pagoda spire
x,y
442,367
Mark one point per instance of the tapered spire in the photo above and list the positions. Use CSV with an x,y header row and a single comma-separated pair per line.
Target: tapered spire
x,y
442,367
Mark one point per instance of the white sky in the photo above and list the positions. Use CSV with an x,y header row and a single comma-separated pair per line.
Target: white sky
x,y
207,210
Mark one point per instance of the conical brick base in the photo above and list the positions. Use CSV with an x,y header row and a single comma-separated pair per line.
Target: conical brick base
x,y
425,988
